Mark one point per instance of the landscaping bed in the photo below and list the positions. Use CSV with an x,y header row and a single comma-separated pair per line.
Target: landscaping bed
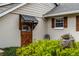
x,y
47,48
43,48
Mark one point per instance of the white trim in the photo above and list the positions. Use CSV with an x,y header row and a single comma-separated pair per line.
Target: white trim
x,y
55,23
59,28
2,4
62,13
10,10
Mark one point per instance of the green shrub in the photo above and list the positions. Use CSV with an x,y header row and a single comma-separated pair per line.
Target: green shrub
x,y
40,48
77,44
11,51
69,52
43,48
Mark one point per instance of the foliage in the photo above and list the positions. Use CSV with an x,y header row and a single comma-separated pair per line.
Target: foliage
x,y
69,52
11,51
77,45
40,48
43,48
65,36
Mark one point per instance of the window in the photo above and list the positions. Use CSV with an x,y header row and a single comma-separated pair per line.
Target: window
x,y
59,22
26,28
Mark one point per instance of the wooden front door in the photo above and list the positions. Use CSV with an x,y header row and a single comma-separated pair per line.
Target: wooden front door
x,y
26,34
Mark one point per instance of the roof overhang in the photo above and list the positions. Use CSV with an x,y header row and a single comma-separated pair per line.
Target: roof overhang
x,y
28,18
10,10
63,13
2,4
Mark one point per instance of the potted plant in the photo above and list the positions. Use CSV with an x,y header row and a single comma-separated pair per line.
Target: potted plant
x,y
67,41
66,36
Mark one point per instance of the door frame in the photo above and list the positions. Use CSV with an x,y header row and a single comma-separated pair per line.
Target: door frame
x,y
20,28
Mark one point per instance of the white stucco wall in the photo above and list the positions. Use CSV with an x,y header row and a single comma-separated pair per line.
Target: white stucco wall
x,y
56,33
40,29
37,10
9,31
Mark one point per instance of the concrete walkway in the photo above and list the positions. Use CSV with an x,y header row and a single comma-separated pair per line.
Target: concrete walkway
x,y
1,52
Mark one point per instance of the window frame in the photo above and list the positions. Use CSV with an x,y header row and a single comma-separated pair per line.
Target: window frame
x,y
58,18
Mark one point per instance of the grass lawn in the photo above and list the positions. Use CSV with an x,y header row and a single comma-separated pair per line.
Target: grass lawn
x,y
11,51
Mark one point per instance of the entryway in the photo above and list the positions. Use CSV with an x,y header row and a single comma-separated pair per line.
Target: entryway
x,y
27,24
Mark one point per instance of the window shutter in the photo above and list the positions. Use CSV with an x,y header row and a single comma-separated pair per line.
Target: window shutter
x,y
65,22
77,23
53,20
20,22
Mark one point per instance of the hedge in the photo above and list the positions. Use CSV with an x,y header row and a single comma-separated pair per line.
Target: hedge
x,y
40,48
43,48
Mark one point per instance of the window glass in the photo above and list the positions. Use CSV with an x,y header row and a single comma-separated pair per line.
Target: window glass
x,y
26,28
59,22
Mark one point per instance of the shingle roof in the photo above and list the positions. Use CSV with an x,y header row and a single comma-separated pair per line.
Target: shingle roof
x,y
2,4
7,7
29,18
64,7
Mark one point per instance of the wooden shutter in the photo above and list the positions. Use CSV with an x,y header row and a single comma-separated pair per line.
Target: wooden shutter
x,y
65,22
77,23
20,22
53,20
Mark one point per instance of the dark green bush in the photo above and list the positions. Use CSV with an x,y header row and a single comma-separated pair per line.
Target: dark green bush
x,y
40,48
11,51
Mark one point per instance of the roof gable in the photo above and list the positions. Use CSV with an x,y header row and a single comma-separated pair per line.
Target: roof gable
x,y
63,8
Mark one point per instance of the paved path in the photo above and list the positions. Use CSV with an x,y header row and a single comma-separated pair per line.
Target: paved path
x,y
1,52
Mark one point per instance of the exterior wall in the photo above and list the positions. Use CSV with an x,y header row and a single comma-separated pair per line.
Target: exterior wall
x,y
56,33
40,29
35,9
9,31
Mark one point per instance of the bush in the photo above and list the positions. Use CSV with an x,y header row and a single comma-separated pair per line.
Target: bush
x,y
69,52
43,48
40,48
77,44
10,51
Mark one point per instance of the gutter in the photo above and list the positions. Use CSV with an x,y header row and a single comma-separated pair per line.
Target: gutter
x,y
3,4
51,9
10,10
56,4
63,13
